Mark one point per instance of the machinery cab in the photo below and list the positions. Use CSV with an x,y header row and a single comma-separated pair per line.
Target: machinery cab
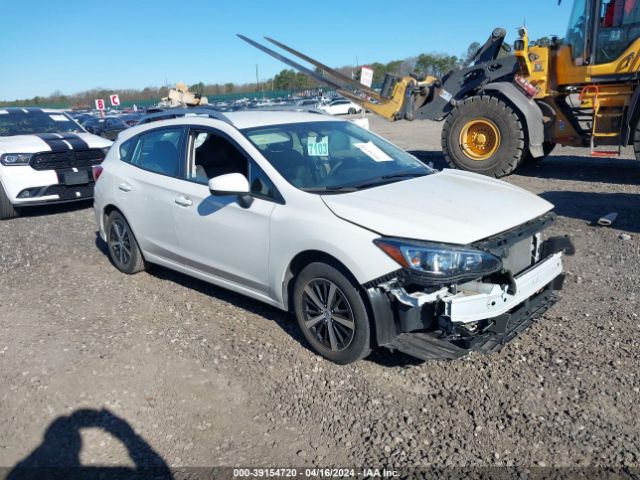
x,y
597,62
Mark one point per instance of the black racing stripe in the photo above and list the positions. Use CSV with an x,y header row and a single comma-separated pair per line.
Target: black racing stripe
x,y
75,141
55,143
33,110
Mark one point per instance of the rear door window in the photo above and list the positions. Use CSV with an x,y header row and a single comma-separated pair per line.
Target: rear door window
x,y
160,151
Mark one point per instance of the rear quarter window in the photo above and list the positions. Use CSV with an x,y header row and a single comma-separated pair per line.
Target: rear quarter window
x,y
126,149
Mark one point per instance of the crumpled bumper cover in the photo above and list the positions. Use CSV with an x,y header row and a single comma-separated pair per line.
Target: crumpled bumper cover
x,y
478,317
429,346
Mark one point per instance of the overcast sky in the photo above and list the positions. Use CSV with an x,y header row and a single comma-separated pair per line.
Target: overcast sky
x,y
74,45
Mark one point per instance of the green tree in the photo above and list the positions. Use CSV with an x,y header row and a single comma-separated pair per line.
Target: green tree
x,y
472,49
228,87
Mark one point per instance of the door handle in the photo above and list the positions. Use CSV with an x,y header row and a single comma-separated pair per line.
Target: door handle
x,y
183,201
125,187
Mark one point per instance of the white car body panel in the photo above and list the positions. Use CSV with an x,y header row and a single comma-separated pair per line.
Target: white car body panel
x,y
448,207
253,247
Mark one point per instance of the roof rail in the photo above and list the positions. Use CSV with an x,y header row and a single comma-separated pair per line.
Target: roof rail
x,y
288,108
185,112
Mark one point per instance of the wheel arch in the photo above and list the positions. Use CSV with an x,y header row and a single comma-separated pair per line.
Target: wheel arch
x,y
528,111
304,258
301,260
107,210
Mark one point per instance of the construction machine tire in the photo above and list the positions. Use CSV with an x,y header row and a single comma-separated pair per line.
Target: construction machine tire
x,y
547,148
636,141
483,134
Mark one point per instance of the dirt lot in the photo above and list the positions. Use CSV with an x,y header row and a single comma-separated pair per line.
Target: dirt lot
x,y
93,362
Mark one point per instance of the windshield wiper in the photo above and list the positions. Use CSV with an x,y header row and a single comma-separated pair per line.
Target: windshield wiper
x,y
383,179
330,189
403,175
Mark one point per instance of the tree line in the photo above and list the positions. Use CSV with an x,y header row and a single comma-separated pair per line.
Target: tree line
x,y
436,64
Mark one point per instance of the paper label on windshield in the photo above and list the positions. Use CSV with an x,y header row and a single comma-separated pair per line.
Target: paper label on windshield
x,y
317,148
58,118
373,151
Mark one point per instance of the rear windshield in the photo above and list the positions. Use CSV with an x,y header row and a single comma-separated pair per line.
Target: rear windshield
x,y
27,123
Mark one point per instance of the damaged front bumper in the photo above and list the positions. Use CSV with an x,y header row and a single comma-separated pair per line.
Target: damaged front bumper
x,y
450,321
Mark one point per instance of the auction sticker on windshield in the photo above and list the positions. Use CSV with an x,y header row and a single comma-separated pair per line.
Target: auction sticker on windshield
x,y
373,151
317,148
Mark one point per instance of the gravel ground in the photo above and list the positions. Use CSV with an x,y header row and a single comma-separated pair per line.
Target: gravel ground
x,y
198,376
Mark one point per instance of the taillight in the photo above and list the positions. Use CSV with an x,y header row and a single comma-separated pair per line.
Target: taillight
x,y
97,171
530,89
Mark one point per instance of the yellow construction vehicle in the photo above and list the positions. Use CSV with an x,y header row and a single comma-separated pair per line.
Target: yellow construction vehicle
x,y
503,110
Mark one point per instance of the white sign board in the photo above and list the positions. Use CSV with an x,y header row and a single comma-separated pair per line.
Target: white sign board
x,y
366,76
115,100
99,104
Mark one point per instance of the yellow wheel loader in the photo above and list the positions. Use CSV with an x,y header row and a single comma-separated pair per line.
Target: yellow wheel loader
x,y
502,110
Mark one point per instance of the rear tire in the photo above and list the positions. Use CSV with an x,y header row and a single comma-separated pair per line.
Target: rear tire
x,y
483,134
636,140
332,314
7,210
123,247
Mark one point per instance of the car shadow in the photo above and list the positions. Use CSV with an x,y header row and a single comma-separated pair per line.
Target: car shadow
x,y
55,208
590,206
58,456
562,167
285,320
584,169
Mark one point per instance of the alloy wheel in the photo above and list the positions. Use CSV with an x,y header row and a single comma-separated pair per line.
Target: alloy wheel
x,y
328,316
120,242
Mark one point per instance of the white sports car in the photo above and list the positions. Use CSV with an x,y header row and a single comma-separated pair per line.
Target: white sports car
x,y
45,157
364,243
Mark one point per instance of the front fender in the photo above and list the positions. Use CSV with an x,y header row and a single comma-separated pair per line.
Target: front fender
x,y
529,110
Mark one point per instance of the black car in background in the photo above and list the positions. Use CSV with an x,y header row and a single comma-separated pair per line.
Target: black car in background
x,y
108,127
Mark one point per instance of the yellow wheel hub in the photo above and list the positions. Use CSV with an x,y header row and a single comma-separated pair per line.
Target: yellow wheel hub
x,y
479,139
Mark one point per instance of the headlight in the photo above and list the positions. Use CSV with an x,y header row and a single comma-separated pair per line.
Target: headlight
x,y
438,262
10,159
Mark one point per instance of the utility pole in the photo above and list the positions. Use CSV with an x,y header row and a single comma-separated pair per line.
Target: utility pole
x,y
257,80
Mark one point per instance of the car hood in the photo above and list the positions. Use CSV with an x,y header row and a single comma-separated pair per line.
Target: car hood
x,y
449,207
35,144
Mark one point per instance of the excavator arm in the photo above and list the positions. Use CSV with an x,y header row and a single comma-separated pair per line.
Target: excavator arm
x,y
407,97
398,100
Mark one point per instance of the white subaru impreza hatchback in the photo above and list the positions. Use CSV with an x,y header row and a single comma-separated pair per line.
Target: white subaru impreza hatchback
x,y
367,245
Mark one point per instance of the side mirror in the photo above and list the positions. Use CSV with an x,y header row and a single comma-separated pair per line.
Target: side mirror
x,y
232,184
229,184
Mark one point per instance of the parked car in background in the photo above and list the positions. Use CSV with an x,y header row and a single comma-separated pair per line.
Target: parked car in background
x,y
363,242
131,119
341,106
45,157
108,127
308,102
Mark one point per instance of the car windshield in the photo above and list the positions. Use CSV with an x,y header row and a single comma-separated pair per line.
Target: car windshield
x,y
326,157
27,123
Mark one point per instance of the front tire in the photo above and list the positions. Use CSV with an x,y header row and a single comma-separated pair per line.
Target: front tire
x,y
124,251
7,210
332,314
484,135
